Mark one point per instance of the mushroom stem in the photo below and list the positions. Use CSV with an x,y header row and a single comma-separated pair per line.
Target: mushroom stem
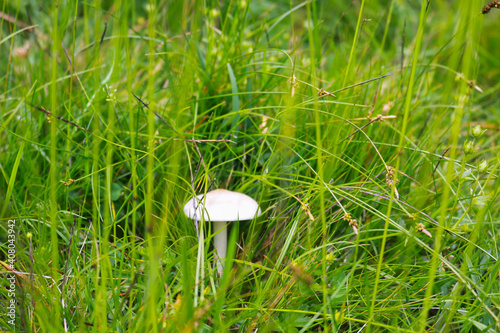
x,y
220,243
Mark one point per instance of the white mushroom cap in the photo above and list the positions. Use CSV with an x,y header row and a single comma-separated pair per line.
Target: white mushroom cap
x,y
222,205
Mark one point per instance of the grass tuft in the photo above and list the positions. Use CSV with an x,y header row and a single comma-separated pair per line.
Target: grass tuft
x,y
366,130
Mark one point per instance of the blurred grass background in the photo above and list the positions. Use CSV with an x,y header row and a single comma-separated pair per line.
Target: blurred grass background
x,y
350,122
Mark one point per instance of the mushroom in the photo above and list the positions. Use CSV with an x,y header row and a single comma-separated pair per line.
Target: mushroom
x,y
219,207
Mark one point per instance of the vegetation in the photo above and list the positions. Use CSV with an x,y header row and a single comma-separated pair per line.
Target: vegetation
x,y
366,130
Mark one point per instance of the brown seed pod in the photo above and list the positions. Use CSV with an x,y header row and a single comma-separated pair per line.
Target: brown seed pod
x,y
488,7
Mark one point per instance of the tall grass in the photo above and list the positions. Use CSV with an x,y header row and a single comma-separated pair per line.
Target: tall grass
x,y
351,123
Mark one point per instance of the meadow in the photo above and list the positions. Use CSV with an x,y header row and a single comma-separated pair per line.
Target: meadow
x,y
367,131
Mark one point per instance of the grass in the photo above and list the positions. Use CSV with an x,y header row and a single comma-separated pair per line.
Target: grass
x,y
353,124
